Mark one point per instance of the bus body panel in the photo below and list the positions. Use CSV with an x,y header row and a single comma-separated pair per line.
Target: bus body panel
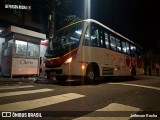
x,y
110,62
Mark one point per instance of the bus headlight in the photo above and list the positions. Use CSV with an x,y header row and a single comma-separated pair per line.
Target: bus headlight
x,y
69,60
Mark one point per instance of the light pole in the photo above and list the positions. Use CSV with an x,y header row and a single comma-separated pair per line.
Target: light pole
x,y
87,9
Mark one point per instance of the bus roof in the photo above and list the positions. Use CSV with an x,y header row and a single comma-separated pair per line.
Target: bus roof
x,y
104,26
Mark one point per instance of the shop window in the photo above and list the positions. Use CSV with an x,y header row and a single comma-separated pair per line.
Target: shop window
x,y
10,43
21,48
33,50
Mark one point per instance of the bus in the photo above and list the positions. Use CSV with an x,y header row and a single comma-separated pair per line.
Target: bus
x,y
90,49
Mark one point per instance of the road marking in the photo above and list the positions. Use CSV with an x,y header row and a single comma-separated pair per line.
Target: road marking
x,y
36,103
134,85
15,87
112,108
7,94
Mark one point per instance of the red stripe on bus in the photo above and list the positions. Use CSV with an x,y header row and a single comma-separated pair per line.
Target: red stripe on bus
x,y
60,60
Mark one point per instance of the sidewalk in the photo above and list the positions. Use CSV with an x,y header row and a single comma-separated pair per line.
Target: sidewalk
x,y
8,80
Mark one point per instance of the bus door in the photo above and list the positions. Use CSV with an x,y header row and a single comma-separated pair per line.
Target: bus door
x,y
108,69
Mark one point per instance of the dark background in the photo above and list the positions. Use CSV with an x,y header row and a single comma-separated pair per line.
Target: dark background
x,y
138,20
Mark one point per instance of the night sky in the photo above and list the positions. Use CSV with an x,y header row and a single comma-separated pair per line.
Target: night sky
x,y
138,20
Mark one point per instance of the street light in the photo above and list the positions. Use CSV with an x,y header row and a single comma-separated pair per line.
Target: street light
x,y
87,9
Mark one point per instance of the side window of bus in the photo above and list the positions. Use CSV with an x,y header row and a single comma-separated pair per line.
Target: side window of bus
x,y
112,42
133,50
118,45
93,37
101,37
127,47
95,42
139,53
87,37
124,48
106,40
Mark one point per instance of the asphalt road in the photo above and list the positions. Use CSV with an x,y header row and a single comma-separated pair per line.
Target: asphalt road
x,y
112,99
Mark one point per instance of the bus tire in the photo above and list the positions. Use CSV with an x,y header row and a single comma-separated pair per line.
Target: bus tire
x,y
133,73
61,78
92,73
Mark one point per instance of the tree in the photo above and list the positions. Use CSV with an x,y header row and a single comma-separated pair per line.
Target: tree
x,y
57,8
58,11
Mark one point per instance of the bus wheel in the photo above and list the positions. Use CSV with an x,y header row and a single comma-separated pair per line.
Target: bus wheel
x,y
61,78
90,75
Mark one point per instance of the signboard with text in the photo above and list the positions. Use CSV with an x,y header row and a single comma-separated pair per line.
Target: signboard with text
x,y
22,66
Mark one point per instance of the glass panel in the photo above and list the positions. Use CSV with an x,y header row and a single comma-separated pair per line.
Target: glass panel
x,y
124,48
139,53
21,47
133,49
10,43
101,38
113,43
67,38
33,50
94,37
127,48
118,43
106,40
87,37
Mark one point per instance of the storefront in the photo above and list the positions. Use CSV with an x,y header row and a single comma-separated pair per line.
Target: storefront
x,y
21,52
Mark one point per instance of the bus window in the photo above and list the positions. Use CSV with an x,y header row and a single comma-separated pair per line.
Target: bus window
x,y
75,34
93,37
127,48
87,38
133,50
124,48
139,53
101,36
112,42
106,40
118,45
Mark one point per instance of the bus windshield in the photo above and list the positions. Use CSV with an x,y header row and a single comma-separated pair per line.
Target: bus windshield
x,y
65,40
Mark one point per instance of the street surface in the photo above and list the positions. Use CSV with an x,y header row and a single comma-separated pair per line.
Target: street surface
x,y
111,99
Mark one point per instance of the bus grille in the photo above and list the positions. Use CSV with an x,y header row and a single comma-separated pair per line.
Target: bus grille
x,y
108,71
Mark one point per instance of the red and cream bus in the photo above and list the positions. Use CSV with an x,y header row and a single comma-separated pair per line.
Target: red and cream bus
x,y
90,49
